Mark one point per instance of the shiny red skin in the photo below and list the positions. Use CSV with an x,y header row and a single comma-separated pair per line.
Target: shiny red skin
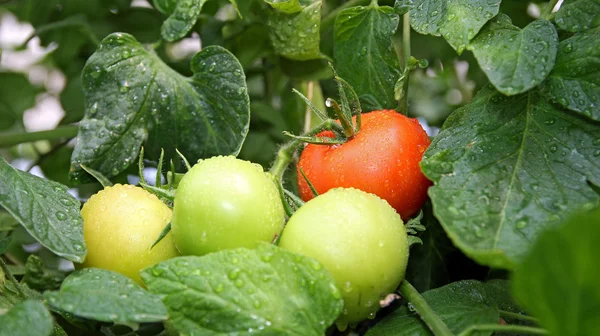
x,y
383,159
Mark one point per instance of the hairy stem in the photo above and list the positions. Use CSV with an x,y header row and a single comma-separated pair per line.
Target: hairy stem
x,y
503,328
329,19
406,59
516,316
11,278
433,321
14,138
286,153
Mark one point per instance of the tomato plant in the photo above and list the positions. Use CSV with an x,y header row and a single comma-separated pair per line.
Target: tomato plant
x,y
383,159
477,121
120,224
360,239
224,203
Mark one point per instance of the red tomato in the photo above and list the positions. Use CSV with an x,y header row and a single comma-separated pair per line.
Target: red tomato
x,y
383,159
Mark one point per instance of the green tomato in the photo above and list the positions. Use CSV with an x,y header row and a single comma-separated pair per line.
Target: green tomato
x,y
120,224
360,239
224,203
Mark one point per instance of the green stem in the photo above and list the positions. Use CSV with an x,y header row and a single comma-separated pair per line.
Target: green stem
x,y
11,278
329,19
285,153
516,316
503,328
547,13
406,57
73,21
433,321
14,138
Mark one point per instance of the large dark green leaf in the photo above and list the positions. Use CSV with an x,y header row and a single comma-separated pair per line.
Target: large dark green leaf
x,y
516,60
106,296
457,20
505,168
459,305
130,94
364,53
47,211
295,33
268,290
16,96
578,15
28,318
575,80
558,282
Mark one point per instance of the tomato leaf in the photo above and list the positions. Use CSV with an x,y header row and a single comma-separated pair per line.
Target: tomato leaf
x,y
516,60
578,15
238,291
106,296
363,41
458,21
27,318
287,6
131,94
295,34
45,209
16,96
459,304
5,243
575,80
182,20
505,168
402,7
40,278
555,281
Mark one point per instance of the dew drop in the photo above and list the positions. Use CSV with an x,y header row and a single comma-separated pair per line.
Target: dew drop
x,y
61,215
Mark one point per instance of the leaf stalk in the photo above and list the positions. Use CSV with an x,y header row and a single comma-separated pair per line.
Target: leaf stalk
x,y
431,319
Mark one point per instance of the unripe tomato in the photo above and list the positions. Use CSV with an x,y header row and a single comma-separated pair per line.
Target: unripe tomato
x,y
383,159
120,224
225,203
360,239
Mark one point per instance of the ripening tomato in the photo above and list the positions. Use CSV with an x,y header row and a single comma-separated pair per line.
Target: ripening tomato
x,y
360,239
120,224
224,203
383,159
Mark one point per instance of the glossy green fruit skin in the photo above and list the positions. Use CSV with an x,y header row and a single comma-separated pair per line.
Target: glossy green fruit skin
x,y
225,203
120,224
360,239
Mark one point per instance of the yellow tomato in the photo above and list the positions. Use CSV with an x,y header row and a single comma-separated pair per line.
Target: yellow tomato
x,y
120,224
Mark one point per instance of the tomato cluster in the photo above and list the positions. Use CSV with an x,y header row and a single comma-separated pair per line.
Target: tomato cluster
x,y
354,228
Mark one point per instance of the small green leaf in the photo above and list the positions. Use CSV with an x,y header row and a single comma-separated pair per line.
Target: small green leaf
x,y
286,6
40,278
506,168
296,35
162,235
516,60
578,15
459,304
457,20
556,281
267,290
428,265
363,41
16,96
106,296
575,80
103,180
45,209
132,95
27,318
182,19
402,7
